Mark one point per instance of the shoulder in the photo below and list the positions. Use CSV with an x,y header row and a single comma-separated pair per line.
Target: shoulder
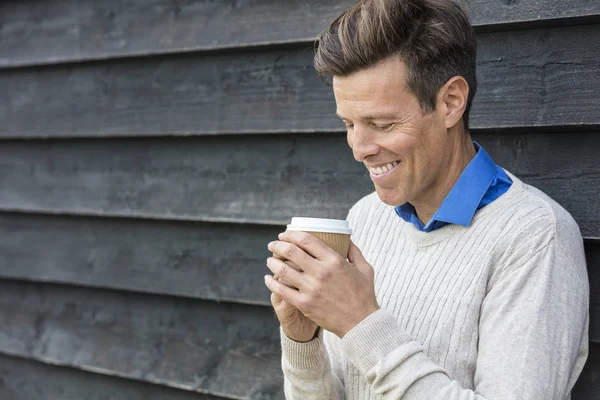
x,y
537,222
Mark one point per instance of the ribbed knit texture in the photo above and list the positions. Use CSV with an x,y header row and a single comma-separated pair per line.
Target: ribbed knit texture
x,y
496,310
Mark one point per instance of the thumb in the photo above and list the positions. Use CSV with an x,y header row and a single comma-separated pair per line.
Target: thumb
x,y
276,300
354,254
356,257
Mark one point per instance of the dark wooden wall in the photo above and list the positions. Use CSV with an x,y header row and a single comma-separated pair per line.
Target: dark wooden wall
x,y
149,150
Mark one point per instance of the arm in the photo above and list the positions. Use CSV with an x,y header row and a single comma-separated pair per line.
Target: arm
x,y
312,370
533,339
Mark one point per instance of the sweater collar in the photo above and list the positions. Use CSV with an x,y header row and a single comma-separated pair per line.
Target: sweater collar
x,y
464,198
422,239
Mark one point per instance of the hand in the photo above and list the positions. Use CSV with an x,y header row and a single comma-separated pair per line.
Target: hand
x,y
334,293
293,323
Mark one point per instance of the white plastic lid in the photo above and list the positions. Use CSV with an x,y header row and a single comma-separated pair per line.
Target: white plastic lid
x,y
320,225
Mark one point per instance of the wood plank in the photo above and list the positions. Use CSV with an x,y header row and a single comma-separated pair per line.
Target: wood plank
x,y
588,385
258,179
218,349
223,262
22,379
164,341
29,380
527,79
59,31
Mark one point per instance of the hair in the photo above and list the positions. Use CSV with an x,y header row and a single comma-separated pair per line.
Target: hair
x,y
433,38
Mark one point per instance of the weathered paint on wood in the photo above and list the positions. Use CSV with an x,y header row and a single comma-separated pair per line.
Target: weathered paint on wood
x,y
57,31
22,379
588,385
265,179
219,349
166,341
223,262
527,79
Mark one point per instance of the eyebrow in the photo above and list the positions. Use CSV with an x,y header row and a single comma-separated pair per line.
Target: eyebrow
x,y
373,116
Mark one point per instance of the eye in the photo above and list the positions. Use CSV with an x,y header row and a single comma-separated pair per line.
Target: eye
x,y
349,125
383,127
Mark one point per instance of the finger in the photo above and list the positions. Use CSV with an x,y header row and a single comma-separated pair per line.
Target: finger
x,y
293,265
290,263
356,257
288,294
310,244
354,254
285,273
276,300
293,253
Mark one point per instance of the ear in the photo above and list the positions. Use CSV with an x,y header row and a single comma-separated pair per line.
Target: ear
x,y
452,98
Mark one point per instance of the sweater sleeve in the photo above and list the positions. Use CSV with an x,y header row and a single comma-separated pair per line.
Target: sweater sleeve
x,y
312,370
533,335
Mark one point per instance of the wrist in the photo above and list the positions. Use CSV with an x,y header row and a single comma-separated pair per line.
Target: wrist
x,y
363,316
304,339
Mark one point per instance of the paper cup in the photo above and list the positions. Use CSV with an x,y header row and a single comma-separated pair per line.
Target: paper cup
x,y
335,233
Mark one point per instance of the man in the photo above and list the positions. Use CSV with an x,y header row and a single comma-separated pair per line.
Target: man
x,y
470,283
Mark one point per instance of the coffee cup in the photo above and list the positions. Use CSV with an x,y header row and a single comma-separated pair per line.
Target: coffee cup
x,y
335,233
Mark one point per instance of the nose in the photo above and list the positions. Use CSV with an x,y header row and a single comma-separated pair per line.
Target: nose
x,y
362,143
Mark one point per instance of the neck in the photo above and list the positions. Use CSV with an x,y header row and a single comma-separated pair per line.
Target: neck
x,y
460,156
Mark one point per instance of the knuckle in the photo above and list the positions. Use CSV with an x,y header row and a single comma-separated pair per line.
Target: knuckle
x,y
306,239
304,304
339,263
323,273
289,250
283,270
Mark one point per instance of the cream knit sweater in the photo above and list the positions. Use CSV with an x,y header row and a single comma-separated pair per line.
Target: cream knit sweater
x,y
497,310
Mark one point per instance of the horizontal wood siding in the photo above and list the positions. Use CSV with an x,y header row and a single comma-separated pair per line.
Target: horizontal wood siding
x,y
57,31
162,257
150,149
218,349
527,79
263,179
23,379
222,262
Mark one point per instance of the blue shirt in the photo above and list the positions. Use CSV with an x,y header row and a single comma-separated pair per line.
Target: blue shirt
x,y
480,183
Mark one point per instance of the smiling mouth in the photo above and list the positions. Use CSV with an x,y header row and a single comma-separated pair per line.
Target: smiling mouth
x,y
383,169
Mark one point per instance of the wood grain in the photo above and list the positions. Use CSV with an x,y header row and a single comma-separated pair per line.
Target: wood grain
x,y
194,346
222,262
51,31
22,379
528,80
258,179
218,349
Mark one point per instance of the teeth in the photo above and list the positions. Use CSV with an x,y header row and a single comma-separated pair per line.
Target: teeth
x,y
385,168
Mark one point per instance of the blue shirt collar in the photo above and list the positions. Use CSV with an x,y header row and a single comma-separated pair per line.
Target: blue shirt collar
x,y
462,201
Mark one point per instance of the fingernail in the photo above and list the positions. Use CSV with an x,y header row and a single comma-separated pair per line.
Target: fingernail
x,y
269,260
280,236
270,245
267,278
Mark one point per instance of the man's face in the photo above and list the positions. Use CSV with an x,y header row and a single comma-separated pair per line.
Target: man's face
x,y
404,149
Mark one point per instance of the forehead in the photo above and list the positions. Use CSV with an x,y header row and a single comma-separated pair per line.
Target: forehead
x,y
381,87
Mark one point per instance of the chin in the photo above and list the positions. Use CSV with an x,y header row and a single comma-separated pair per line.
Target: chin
x,y
389,197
